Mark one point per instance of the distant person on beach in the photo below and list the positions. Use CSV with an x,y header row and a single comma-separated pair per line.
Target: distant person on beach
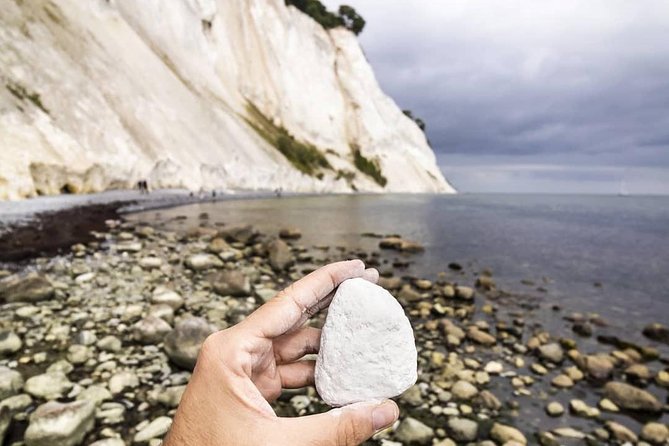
x,y
241,370
143,186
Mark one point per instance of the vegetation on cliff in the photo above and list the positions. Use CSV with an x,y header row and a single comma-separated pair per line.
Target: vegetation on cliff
x,y
346,16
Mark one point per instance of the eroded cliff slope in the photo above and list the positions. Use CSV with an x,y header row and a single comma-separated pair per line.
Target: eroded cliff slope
x,y
200,94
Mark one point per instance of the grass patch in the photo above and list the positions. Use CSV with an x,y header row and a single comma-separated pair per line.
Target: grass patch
x,y
23,94
305,157
368,167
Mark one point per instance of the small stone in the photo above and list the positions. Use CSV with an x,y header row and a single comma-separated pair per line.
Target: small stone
x,y
164,296
638,372
412,432
502,434
656,433
62,424
171,396
412,396
580,408
50,385
480,336
657,332
96,393
280,255
110,344
620,432
290,233
607,404
78,354
201,262
231,283
464,292
494,368
183,343
568,432
151,330
11,382
562,381
464,390
462,429
631,398
10,343
150,262
554,409
123,380
489,400
551,352
367,346
155,429
598,367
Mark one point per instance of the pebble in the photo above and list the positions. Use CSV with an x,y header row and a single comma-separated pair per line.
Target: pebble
x,y
413,432
155,429
562,381
10,343
462,429
11,382
655,433
551,352
503,434
463,390
554,409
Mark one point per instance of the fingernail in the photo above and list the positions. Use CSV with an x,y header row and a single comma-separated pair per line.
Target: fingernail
x,y
384,415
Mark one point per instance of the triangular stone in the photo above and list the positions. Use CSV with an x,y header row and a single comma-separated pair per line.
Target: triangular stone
x,y
367,347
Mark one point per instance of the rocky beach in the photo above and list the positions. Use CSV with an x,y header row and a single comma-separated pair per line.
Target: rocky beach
x,y
97,342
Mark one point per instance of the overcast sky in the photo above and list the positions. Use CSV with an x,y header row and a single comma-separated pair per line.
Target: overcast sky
x,y
528,95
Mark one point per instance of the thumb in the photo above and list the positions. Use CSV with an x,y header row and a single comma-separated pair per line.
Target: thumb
x,y
345,426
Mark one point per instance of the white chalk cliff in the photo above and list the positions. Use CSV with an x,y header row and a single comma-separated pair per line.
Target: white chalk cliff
x,y
200,94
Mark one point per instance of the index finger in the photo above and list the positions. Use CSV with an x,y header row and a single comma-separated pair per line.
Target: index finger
x,y
288,308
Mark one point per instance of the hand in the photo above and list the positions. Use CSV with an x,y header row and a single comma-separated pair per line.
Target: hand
x,y
242,369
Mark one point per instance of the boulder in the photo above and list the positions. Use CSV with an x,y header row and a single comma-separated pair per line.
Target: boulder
x,y
50,385
62,424
631,398
32,287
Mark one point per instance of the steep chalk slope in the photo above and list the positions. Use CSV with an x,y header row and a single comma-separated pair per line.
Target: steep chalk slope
x,y
201,94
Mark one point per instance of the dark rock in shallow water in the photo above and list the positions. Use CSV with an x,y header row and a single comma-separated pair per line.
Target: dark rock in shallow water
x,y
183,344
657,332
26,288
245,234
582,329
290,233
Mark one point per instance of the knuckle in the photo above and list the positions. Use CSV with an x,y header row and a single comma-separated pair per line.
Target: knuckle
x,y
349,432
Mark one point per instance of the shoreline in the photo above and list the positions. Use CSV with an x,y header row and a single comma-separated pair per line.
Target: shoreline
x,y
34,227
96,324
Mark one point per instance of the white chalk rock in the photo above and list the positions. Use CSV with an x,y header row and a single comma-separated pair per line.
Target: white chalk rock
x,y
367,349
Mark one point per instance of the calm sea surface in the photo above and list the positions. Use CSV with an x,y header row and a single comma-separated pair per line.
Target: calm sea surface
x,y
565,244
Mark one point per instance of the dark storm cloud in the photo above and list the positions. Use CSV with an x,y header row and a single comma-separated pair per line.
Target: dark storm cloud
x,y
567,83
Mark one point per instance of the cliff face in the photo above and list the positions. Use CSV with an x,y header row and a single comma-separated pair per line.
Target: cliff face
x,y
251,94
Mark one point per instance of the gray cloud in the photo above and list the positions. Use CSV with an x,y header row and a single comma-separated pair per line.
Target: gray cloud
x,y
566,83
